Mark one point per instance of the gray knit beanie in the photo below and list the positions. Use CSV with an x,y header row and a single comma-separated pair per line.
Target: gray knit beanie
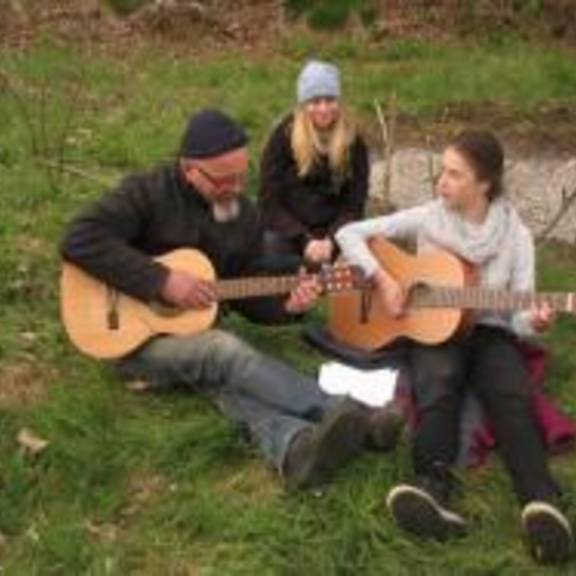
x,y
318,79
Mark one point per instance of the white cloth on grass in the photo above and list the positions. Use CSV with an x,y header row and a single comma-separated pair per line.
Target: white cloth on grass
x,y
374,387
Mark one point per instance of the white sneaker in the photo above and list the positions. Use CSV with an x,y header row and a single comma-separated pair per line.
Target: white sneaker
x,y
416,510
548,533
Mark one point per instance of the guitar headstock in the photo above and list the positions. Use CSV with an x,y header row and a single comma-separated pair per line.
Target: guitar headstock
x,y
342,277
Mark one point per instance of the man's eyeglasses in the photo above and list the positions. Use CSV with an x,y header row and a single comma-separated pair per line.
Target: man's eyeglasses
x,y
224,181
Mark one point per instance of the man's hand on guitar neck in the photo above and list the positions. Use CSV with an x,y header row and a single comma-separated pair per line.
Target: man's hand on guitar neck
x,y
184,290
304,296
392,293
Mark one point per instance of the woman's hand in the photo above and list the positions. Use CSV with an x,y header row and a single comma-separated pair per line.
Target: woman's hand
x,y
319,251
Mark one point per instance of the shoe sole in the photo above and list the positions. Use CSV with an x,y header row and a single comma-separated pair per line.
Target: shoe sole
x,y
548,533
416,512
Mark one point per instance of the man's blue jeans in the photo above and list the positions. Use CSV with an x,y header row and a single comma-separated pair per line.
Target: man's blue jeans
x,y
254,390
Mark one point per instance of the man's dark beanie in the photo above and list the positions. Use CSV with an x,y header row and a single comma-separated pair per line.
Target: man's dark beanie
x,y
210,133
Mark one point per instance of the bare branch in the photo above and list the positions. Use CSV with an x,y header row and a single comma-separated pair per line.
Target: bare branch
x,y
74,171
388,134
567,200
431,168
23,111
381,122
75,99
36,115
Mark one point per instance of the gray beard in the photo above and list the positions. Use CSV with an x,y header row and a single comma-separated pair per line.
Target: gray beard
x,y
225,211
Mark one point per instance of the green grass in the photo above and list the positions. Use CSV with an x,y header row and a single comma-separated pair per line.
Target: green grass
x,y
134,484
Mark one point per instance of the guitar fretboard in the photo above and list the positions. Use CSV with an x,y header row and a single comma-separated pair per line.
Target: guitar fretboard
x,y
330,279
240,288
476,298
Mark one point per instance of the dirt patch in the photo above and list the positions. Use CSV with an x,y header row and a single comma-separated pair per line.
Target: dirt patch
x,y
24,384
548,131
143,488
220,22
201,26
31,245
254,22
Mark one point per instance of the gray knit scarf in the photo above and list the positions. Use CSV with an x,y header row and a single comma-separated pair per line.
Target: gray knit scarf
x,y
478,243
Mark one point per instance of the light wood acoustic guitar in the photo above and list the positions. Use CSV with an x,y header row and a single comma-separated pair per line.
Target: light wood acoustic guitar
x,y
104,323
441,299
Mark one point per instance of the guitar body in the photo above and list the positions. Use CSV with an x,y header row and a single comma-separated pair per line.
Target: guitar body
x,y
105,323
375,327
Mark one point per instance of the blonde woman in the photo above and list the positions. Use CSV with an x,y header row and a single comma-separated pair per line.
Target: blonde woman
x,y
314,171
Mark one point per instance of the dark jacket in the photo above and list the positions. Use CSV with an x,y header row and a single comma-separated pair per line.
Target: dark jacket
x,y
156,212
318,204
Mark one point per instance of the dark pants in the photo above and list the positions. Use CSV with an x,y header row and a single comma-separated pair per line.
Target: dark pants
x,y
489,363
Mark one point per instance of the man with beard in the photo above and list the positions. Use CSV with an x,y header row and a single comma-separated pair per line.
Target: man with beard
x,y
197,202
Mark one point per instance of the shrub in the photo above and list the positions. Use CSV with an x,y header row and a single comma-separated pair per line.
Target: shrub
x,y
126,6
331,14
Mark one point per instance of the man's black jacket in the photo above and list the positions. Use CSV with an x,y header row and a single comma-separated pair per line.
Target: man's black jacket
x,y
151,213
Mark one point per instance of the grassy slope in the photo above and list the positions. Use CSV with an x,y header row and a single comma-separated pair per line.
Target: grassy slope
x,y
162,485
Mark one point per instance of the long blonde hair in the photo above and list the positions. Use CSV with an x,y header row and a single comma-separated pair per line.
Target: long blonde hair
x,y
308,144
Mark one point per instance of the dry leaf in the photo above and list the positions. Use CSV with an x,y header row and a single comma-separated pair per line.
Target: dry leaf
x,y
30,442
138,386
29,336
105,532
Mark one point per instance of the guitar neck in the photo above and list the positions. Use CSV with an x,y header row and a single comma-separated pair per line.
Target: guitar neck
x,y
474,298
240,288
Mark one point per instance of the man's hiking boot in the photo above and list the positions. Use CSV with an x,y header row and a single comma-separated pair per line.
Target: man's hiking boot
x,y
548,533
317,452
384,426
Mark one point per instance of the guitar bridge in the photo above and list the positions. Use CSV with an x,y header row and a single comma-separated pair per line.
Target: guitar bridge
x,y
112,316
366,295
